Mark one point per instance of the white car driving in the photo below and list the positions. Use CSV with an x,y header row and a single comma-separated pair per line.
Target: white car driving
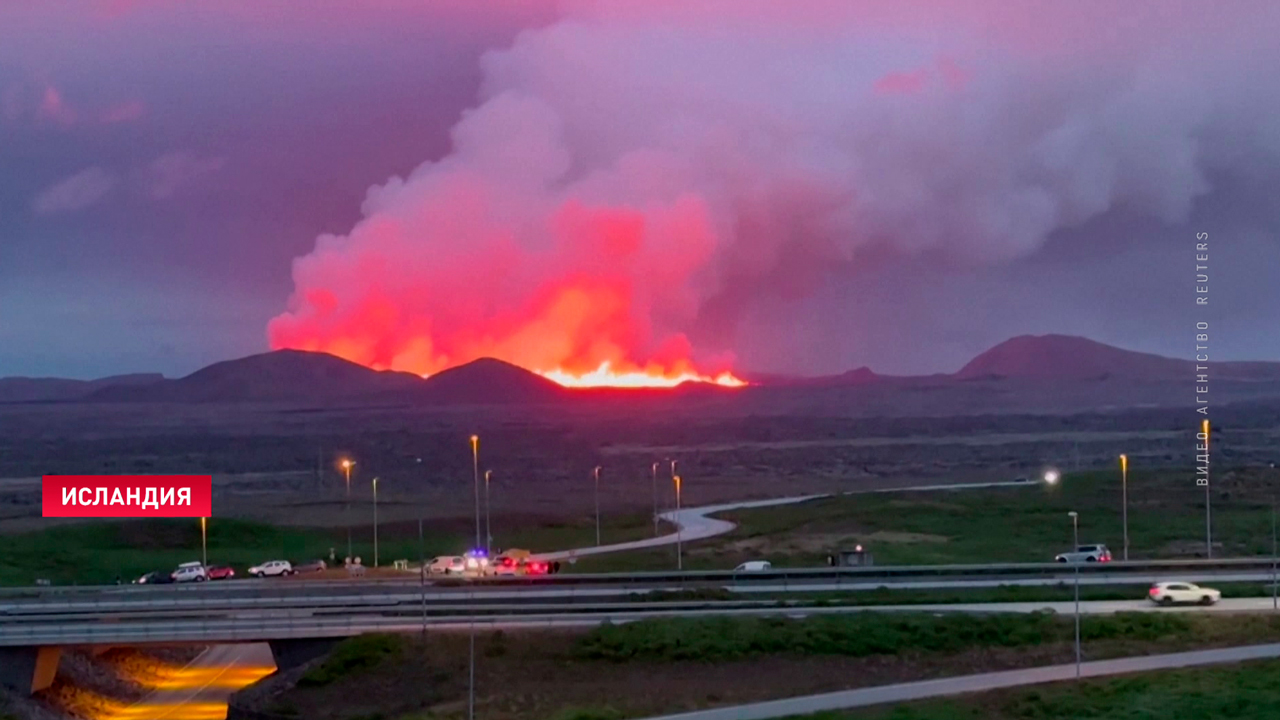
x,y
1169,593
447,565
190,572
272,568
754,566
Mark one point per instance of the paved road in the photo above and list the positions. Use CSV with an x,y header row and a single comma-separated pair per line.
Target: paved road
x,y
302,623
200,691
973,683
694,523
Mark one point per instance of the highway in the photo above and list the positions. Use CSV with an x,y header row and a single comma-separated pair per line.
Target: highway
x,y
201,690
905,692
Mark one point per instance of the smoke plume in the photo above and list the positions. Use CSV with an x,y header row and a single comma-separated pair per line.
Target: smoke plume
x,y
636,177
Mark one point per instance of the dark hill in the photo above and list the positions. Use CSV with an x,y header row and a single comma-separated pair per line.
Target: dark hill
x,y
24,389
282,375
1065,357
487,381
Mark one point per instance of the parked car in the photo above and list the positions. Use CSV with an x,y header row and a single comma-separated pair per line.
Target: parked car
x,y
1085,553
155,577
504,565
1168,593
221,572
447,565
476,562
313,566
190,572
754,566
272,568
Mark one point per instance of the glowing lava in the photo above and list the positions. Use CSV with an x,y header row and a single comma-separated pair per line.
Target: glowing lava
x,y
605,376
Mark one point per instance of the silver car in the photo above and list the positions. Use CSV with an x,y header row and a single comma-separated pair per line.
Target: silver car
x,y
1085,554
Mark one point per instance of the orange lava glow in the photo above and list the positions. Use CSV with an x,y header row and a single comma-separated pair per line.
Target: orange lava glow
x,y
605,376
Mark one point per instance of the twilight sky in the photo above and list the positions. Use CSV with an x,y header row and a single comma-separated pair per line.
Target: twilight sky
x,y
802,186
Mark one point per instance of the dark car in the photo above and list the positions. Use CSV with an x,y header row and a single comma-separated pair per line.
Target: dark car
x,y
221,573
313,566
155,577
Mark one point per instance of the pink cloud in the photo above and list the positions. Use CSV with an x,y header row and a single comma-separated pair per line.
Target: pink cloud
x,y
123,112
53,107
77,192
170,172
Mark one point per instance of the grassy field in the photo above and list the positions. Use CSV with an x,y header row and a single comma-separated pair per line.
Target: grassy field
x,y
1247,691
664,666
1011,524
95,553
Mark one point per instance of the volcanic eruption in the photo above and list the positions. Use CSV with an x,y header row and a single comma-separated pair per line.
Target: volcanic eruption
x,y
641,182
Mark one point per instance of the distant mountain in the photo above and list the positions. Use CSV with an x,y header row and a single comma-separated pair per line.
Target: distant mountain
x,y
1066,357
24,389
282,375
487,381
860,376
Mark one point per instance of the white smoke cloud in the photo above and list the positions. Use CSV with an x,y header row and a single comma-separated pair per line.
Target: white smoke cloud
x,y
761,149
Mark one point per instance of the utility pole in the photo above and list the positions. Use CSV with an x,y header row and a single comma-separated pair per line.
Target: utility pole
x,y
653,472
1075,527
597,476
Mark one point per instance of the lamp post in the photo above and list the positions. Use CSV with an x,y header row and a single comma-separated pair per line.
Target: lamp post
x,y
1275,605
1075,531
1208,509
653,477
679,527
347,464
475,478
375,522
1124,493
488,529
596,473
204,542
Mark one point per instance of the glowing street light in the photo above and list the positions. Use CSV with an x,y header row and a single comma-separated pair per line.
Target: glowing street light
x,y
475,474
347,464
1075,529
679,526
596,473
1124,493
1051,476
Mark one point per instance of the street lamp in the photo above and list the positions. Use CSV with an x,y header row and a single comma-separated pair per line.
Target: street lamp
x,y
1124,492
347,464
679,526
1208,509
204,542
475,477
1075,528
654,480
488,529
1051,476
596,472
375,522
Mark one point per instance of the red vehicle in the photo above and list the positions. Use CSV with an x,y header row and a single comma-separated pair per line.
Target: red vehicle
x,y
221,573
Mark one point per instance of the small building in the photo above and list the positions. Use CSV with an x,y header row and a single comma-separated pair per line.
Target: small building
x,y
857,557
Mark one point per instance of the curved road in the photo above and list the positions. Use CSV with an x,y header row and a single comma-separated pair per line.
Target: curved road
x,y
695,524
201,690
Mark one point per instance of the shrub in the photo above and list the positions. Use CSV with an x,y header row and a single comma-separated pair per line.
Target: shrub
x,y
354,655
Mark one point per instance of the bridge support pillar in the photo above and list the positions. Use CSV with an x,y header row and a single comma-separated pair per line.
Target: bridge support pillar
x,y
29,670
292,653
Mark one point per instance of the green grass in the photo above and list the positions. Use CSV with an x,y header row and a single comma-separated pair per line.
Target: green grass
x,y
95,553
1012,524
353,656
1247,691
861,634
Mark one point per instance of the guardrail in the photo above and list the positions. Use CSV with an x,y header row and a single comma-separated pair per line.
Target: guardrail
x,y
301,587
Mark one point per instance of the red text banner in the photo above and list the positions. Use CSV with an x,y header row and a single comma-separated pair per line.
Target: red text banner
x,y
127,496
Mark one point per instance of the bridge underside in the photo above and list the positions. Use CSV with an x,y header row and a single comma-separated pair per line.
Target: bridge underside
x,y
28,670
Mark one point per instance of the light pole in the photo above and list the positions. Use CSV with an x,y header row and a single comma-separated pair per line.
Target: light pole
x,y
654,479
1208,509
204,542
1124,493
346,512
475,477
1075,531
596,473
1274,604
679,527
375,522
488,529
